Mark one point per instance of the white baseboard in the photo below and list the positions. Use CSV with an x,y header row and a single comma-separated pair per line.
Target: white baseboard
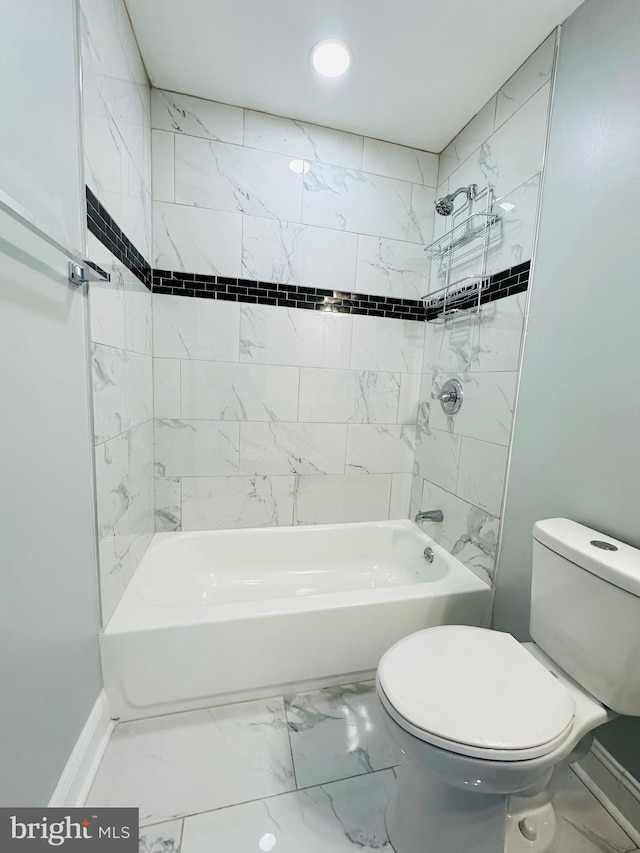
x,y
80,770
614,787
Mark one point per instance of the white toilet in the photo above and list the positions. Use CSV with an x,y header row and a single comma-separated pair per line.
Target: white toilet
x,y
481,718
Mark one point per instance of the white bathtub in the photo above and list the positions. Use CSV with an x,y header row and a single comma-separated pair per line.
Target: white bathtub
x,y
219,616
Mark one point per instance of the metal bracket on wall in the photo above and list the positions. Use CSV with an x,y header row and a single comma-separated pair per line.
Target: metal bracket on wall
x,y
79,274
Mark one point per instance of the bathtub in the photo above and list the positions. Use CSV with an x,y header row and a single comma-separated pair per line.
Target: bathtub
x,y
220,616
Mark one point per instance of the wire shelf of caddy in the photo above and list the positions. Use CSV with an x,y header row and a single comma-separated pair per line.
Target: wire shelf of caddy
x,y
456,300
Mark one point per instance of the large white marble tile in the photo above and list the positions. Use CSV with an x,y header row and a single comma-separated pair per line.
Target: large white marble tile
x,y
481,474
351,200
137,316
194,239
166,387
123,103
195,328
292,448
487,408
448,346
348,396
236,179
292,336
196,116
104,156
422,214
162,165
161,837
584,826
111,578
338,732
497,335
341,817
303,141
400,495
470,138
409,398
185,763
113,482
380,448
531,76
211,503
122,390
513,154
286,252
102,47
467,532
132,536
335,498
387,345
513,241
391,268
437,457
398,161
106,307
141,465
196,448
130,46
168,504
239,392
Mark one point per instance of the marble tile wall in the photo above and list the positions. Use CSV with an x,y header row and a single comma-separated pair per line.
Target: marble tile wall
x,y
270,415
117,144
460,460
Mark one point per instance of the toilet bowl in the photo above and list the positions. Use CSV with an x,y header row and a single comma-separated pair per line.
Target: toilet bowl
x,y
483,720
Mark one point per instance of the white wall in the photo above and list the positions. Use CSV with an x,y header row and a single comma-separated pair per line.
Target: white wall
x,y
39,96
117,131
49,665
277,415
575,449
460,461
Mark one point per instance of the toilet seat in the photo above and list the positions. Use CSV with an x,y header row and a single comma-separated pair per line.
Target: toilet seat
x,y
475,692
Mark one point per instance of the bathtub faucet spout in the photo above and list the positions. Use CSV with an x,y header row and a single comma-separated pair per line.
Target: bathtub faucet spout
x,y
430,515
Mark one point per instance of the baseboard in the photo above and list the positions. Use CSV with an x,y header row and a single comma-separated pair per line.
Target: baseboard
x,y
622,795
81,768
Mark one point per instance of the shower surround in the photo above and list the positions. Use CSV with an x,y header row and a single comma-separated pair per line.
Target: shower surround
x,y
460,461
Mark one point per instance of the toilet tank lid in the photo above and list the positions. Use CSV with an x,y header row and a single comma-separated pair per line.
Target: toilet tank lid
x,y
574,542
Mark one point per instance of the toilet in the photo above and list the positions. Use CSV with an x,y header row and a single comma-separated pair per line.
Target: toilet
x,y
483,720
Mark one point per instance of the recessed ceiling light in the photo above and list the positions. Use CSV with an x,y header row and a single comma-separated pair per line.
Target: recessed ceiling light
x,y
300,167
331,58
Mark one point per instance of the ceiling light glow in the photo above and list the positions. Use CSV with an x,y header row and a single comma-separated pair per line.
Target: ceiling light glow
x,y
507,206
300,167
331,58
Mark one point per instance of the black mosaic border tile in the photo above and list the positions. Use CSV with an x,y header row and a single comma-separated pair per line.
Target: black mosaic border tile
x,y
285,295
105,228
497,286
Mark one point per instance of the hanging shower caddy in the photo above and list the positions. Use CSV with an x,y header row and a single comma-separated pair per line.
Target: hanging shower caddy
x,y
468,237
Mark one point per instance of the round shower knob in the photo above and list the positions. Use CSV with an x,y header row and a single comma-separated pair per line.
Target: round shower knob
x,y
451,396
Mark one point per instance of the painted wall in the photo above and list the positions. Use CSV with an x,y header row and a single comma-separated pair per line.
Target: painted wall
x,y
117,136
575,450
460,460
49,666
272,415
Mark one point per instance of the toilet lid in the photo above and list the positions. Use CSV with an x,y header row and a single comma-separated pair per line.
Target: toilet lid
x,y
475,691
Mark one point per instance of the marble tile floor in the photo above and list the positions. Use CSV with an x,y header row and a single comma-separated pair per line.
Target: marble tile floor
x,y
312,771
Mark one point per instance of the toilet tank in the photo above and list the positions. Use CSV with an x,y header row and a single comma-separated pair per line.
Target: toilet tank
x,y
585,609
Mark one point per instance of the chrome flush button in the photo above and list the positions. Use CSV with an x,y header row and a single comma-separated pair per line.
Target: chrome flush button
x,y
605,546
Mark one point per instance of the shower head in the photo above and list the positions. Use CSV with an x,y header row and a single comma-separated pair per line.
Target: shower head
x,y
444,205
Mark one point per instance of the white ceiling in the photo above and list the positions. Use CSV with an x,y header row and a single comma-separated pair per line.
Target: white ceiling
x,y
421,68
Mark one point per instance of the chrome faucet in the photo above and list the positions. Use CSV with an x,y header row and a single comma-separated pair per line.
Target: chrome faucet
x,y
430,515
